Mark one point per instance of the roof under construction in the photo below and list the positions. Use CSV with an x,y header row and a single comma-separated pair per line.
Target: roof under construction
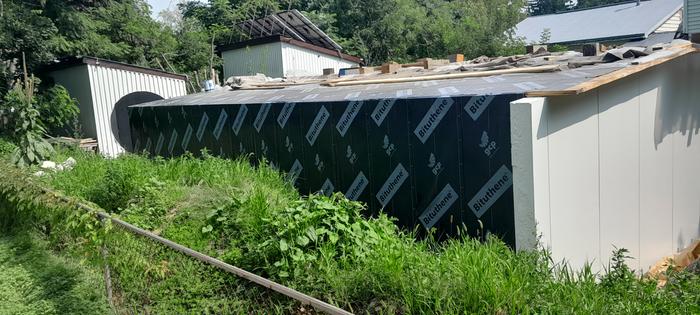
x,y
290,24
540,74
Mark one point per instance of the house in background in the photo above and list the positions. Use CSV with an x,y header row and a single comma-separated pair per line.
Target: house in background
x,y
284,44
104,89
652,21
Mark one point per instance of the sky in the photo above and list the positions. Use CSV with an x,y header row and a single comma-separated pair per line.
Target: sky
x,y
160,5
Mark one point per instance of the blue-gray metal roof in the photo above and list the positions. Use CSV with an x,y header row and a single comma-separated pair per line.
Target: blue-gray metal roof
x,y
623,22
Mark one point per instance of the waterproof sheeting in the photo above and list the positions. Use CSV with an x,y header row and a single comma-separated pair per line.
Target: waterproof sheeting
x,y
439,162
491,85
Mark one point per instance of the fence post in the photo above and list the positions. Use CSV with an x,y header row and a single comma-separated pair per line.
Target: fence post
x,y
107,273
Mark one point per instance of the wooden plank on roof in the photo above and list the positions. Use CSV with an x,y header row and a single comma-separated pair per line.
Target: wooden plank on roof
x,y
472,74
584,87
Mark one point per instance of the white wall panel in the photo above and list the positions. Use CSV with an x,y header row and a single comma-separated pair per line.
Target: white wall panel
x,y
655,174
623,167
685,100
574,178
618,118
264,58
300,61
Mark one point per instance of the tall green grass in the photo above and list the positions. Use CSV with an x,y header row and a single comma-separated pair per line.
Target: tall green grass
x,y
251,217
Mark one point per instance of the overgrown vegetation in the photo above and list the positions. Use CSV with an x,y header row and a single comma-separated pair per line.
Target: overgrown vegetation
x,y
252,218
22,124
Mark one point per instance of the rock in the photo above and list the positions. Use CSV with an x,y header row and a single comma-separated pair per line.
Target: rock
x,y
39,173
48,165
69,163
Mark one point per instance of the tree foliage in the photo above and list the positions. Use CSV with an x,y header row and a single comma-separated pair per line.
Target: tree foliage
x,y
380,31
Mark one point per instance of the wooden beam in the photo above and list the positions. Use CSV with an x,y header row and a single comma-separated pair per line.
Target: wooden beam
x,y
474,74
616,75
455,58
390,67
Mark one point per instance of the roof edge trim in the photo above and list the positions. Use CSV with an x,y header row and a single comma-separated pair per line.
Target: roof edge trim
x,y
106,63
616,75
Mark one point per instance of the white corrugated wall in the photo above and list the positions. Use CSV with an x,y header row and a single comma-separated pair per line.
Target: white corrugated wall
x,y
672,24
265,59
616,167
300,61
108,85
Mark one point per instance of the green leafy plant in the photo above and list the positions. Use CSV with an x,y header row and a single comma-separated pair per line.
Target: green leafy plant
x,y
24,127
58,111
318,225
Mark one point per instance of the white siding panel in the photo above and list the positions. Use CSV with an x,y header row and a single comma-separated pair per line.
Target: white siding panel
x,y
300,61
574,178
685,98
622,164
656,173
265,58
618,117
109,85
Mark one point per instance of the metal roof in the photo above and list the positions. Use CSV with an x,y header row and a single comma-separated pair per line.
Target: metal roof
x,y
616,22
68,62
292,24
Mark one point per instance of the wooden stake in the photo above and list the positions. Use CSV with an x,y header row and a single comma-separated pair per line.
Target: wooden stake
x,y
107,276
24,70
168,63
159,65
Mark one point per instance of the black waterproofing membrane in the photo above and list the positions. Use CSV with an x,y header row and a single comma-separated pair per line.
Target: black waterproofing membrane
x,y
433,162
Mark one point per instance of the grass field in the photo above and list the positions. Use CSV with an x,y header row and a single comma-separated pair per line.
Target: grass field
x,y
323,246
35,281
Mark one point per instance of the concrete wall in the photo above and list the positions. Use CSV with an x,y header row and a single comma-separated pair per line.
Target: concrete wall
x,y
300,61
618,166
265,59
